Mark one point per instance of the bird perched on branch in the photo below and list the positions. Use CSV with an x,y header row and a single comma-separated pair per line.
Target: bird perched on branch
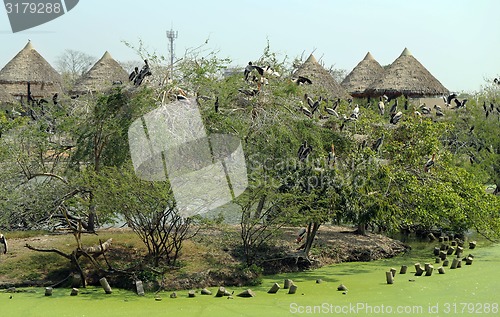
x,y
395,117
133,74
250,67
304,151
429,163
143,73
376,146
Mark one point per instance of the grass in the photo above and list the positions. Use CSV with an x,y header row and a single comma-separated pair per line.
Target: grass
x,y
465,292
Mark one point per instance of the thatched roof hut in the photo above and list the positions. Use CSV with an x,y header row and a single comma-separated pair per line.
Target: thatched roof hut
x,y
101,76
362,76
29,66
406,76
321,79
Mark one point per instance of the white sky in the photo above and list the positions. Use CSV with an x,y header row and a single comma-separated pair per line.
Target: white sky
x,y
458,41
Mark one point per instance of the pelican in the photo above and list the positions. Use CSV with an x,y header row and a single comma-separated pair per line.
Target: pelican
x,y
4,242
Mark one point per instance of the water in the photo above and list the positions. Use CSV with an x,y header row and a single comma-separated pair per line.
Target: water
x,y
469,291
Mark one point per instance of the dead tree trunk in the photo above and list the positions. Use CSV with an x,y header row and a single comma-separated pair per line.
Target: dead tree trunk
x,y
312,229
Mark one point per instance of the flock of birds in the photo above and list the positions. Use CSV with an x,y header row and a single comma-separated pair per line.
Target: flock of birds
x,y
137,76
323,108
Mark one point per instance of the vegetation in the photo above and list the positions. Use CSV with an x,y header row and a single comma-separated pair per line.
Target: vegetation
x,y
68,166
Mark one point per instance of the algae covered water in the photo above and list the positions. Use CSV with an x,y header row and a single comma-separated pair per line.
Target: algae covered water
x,y
472,290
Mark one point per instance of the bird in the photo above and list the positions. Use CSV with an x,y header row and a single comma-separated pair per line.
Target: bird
x,y
309,100
336,104
134,73
302,80
306,111
250,67
439,111
315,105
394,107
55,98
143,73
381,107
269,70
4,242
459,104
396,117
496,81
424,109
331,156
450,98
355,112
376,146
304,151
331,111
429,163
216,104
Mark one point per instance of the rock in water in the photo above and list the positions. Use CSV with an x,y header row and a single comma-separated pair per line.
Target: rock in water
x,y
341,287
247,293
205,292
274,289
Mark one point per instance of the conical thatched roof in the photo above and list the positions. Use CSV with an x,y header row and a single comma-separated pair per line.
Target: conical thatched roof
x,y
406,76
321,78
29,66
101,76
362,76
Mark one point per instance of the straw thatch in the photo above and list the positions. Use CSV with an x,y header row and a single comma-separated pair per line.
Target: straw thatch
x,y
5,97
322,80
101,76
29,66
406,76
362,76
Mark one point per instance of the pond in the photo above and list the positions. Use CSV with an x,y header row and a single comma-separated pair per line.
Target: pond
x,y
471,290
